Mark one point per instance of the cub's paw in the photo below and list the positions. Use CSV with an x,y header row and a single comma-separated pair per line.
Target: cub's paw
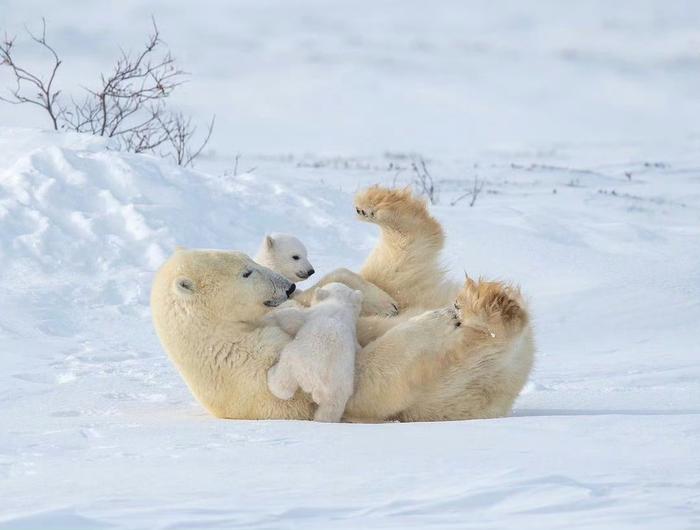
x,y
389,207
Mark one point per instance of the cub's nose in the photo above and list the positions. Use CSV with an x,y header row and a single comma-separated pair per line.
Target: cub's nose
x,y
310,272
291,290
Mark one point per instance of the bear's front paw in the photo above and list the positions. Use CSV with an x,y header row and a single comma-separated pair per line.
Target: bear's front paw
x,y
449,317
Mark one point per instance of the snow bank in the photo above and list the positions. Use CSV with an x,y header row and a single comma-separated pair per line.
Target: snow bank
x,y
87,226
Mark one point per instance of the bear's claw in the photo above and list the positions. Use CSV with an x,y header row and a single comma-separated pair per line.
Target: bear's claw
x,y
365,213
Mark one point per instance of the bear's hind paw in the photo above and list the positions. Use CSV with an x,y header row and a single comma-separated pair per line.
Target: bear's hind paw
x,y
391,207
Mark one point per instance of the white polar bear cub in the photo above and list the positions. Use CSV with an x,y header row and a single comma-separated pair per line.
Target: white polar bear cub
x,y
321,358
285,255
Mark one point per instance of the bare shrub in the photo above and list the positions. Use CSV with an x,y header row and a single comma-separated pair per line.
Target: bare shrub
x,y
180,133
129,104
423,180
474,192
40,91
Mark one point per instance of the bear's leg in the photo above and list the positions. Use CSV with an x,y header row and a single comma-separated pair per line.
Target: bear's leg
x,y
488,372
463,361
281,380
374,301
409,356
405,261
370,328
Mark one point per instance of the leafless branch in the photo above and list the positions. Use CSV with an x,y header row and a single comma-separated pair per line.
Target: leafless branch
x,y
180,133
129,103
396,177
477,186
44,95
423,180
235,164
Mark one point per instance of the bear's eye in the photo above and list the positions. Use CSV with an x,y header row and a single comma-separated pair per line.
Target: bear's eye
x,y
247,273
295,258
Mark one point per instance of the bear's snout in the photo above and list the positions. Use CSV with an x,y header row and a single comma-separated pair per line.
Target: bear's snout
x,y
291,290
305,274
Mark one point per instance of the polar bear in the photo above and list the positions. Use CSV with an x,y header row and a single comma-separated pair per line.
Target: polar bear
x,y
321,358
453,352
285,255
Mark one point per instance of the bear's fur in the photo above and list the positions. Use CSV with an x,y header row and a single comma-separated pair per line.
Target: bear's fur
x,y
321,358
468,356
285,255
375,301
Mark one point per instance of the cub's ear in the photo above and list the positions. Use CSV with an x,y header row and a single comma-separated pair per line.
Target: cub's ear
x,y
179,248
184,286
357,296
269,242
320,294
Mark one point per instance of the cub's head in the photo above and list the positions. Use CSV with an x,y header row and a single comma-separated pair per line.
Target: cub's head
x,y
215,286
286,255
341,293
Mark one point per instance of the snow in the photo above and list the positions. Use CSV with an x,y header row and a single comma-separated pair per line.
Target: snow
x,y
99,429
580,120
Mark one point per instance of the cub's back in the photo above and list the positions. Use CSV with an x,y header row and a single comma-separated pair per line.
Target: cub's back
x,y
329,329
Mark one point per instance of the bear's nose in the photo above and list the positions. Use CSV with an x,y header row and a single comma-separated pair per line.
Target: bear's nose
x,y
291,290
310,272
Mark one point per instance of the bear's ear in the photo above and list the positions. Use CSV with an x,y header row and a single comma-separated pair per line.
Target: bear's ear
x,y
184,286
179,248
269,242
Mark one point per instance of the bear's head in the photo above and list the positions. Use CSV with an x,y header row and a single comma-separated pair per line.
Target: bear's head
x,y
286,255
341,293
215,286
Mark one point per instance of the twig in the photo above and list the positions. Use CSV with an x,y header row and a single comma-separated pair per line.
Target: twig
x,y
477,186
424,180
45,97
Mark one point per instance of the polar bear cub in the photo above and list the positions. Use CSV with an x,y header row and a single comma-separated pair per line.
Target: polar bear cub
x,y
321,358
285,255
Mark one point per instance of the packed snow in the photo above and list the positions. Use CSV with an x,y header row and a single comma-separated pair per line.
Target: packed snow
x,y
590,201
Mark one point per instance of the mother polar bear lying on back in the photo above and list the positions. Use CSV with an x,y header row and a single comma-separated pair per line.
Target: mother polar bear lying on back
x,y
453,352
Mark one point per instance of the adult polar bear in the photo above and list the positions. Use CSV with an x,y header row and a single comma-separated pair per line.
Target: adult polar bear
x,y
453,352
